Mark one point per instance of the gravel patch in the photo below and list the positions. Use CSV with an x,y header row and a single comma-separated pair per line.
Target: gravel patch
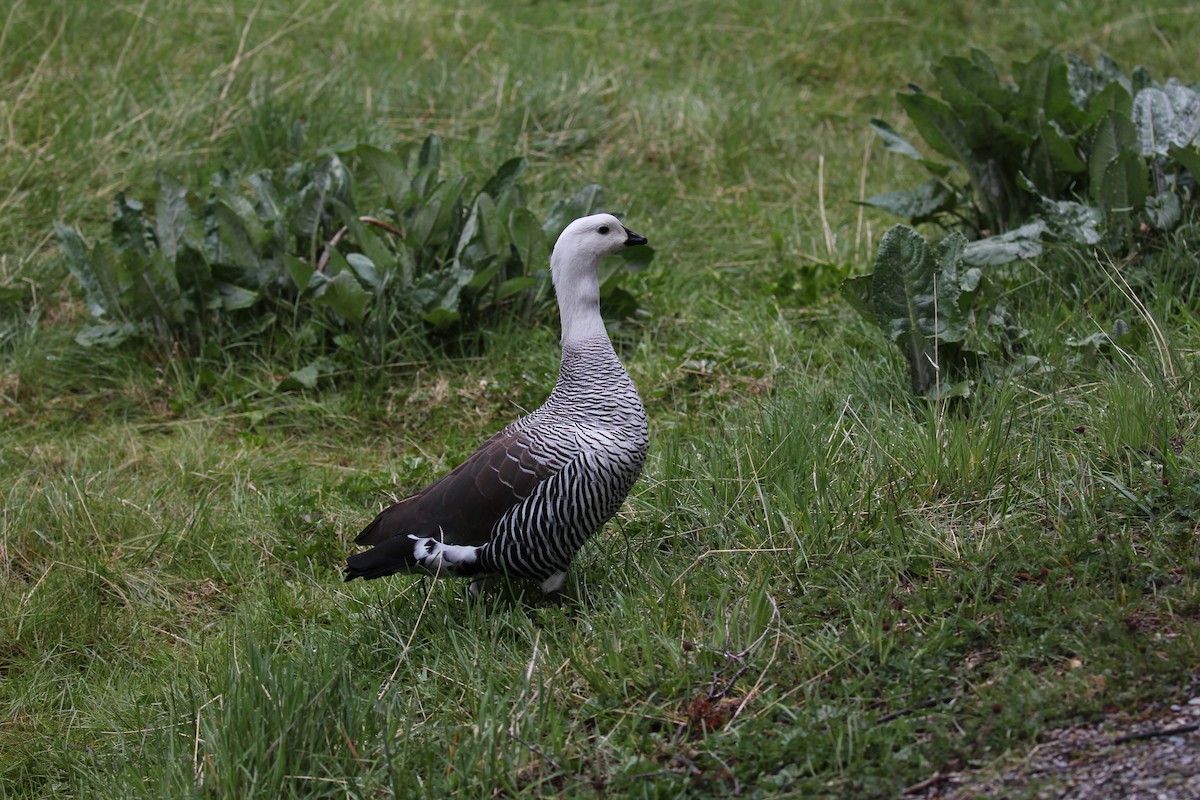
x,y
1155,758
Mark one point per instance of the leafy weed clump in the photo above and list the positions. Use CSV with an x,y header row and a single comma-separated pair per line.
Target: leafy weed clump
x,y
1072,146
1085,157
436,258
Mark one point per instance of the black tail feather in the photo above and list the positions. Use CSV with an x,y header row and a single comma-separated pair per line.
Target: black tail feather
x,y
398,554
387,558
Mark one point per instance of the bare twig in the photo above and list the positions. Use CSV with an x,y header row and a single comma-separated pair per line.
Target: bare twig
x,y
387,226
904,712
1156,733
825,229
330,245
932,780
719,694
337,237
537,751
862,195
739,658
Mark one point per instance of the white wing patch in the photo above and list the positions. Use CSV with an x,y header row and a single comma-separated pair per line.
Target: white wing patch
x,y
436,556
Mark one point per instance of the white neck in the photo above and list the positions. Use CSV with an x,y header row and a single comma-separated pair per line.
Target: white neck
x,y
577,284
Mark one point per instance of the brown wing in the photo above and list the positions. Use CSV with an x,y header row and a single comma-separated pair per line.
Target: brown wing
x,y
463,505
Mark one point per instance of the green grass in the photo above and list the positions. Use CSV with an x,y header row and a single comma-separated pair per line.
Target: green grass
x,y
820,587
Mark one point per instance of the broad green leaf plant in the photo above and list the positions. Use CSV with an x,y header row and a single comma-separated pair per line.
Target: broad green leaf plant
x,y
1083,148
1067,152
438,256
930,302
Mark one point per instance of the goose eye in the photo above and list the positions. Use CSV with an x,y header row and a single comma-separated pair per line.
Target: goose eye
x,y
603,229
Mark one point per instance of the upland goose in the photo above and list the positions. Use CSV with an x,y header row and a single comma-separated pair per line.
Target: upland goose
x,y
526,500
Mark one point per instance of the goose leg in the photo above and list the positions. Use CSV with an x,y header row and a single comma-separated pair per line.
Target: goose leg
x,y
482,584
554,582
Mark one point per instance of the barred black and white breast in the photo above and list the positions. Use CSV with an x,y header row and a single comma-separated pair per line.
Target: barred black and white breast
x,y
525,502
